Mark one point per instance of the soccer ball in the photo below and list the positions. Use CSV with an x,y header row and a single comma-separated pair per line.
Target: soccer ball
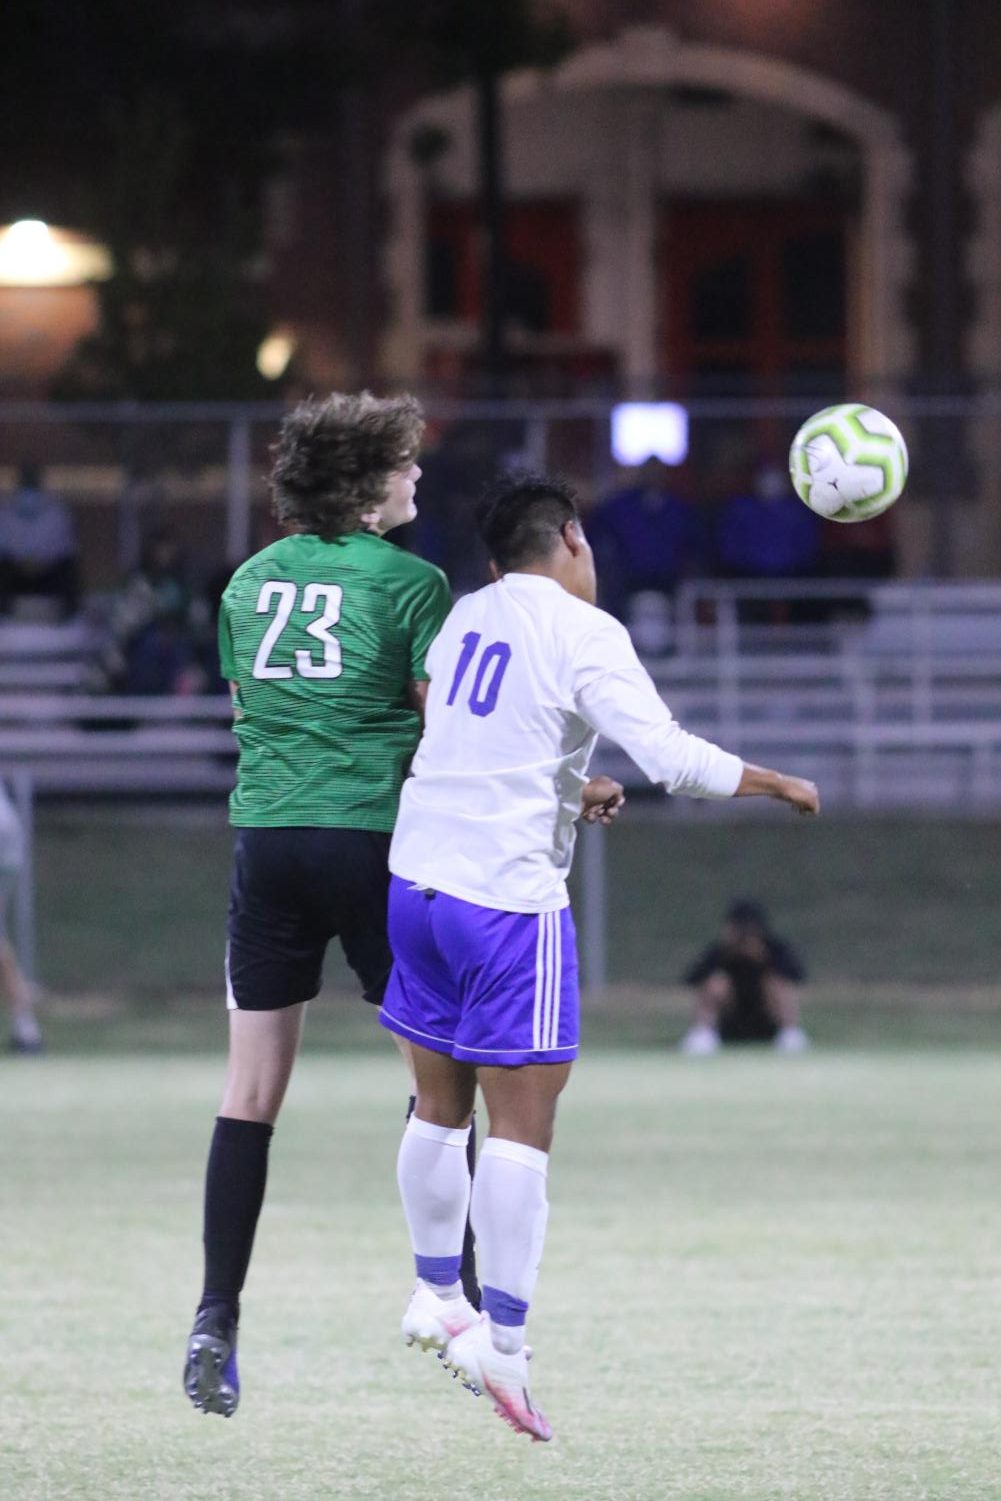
x,y
848,463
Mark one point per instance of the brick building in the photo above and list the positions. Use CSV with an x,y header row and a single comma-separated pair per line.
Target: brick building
x,y
726,195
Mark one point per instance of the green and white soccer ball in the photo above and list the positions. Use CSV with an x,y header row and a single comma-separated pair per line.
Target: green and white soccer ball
x,y
848,463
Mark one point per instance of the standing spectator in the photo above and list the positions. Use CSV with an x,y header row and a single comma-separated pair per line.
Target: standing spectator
x,y
747,987
645,538
38,545
25,1035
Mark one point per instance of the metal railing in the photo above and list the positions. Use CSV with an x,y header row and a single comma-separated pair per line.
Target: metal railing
x,y
902,706
203,466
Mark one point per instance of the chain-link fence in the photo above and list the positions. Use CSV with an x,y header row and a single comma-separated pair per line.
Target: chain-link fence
x,y
200,471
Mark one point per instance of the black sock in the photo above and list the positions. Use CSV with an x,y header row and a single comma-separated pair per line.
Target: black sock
x,y
470,1284
234,1192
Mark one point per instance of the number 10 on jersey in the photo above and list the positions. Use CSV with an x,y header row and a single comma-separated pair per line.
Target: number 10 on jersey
x,y
489,675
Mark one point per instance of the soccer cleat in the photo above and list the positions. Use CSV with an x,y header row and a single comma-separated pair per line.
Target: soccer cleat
x,y
791,1040
25,1035
700,1041
472,1356
211,1378
431,1321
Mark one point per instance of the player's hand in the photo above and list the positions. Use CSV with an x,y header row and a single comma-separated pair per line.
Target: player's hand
x,y
800,793
600,800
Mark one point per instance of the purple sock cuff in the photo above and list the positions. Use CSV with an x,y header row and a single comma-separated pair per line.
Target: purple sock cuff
x,y
503,1308
442,1270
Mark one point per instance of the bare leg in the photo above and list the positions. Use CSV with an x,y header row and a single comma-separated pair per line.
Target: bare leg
x,y
406,1052
782,998
446,1089
262,1050
521,1102
711,998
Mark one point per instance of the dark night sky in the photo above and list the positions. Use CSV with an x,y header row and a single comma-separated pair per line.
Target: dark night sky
x,y
75,78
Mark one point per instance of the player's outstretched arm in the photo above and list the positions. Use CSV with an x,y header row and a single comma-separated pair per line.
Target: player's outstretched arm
x,y
758,781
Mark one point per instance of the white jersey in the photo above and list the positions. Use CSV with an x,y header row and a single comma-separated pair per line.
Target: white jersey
x,y
523,677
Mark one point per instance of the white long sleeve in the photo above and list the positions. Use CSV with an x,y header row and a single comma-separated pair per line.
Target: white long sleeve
x,y
625,706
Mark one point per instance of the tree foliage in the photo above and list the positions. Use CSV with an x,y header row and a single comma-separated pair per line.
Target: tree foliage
x,y
153,126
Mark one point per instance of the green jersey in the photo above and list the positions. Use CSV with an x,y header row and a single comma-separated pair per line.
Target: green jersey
x,y
321,640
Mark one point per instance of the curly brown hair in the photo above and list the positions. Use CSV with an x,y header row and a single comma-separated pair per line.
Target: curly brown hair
x,y
333,459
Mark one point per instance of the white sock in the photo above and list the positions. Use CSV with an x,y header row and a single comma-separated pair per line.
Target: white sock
x,y
433,1175
509,1213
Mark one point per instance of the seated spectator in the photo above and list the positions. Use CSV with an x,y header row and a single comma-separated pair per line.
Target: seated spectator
x,y
767,532
153,645
38,546
747,987
645,538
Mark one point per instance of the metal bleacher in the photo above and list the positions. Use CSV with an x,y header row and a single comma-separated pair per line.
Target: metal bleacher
x,y
41,657
72,741
892,698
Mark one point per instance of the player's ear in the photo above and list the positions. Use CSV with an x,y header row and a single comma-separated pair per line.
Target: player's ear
x,y
495,573
570,532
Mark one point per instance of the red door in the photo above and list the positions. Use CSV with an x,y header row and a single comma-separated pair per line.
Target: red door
x,y
753,301
753,294
543,256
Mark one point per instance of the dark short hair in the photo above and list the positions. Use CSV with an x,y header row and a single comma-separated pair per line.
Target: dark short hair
x,y
521,515
747,914
333,459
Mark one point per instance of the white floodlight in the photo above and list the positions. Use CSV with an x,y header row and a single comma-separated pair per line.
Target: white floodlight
x,y
34,255
644,430
274,354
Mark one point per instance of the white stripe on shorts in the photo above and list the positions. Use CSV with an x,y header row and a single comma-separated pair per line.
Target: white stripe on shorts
x,y
540,969
548,982
231,1004
557,981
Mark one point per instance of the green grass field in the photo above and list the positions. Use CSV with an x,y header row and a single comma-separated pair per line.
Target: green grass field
x,y
764,1279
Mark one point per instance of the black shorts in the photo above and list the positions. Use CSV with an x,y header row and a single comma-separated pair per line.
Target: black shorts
x,y
292,891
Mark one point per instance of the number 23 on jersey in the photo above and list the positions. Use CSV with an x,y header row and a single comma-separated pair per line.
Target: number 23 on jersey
x,y
281,596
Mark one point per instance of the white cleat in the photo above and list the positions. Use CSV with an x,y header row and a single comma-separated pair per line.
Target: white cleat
x,y
431,1321
504,1378
700,1041
791,1040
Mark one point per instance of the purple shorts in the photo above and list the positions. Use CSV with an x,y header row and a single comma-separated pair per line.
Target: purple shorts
x,y
480,985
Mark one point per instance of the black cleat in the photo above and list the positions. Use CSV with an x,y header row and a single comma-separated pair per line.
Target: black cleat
x,y
211,1379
